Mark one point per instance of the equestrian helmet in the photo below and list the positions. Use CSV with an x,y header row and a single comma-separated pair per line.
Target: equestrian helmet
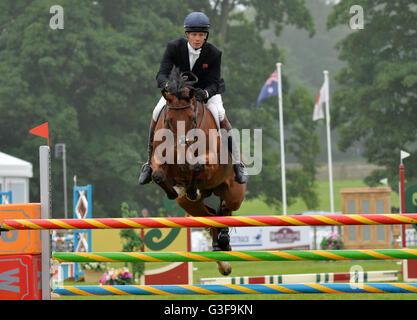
x,y
197,22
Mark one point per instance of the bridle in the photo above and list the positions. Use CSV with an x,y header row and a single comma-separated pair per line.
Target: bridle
x,y
194,79
182,141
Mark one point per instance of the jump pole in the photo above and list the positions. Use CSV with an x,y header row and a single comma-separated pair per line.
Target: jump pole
x,y
285,255
44,157
215,289
217,221
326,277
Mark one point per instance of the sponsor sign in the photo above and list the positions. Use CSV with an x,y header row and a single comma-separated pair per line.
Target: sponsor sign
x,y
20,277
270,238
20,241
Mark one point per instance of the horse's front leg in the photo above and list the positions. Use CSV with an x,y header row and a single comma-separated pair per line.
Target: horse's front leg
x,y
160,178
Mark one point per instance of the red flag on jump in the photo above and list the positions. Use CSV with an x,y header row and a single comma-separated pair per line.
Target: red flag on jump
x,y
41,130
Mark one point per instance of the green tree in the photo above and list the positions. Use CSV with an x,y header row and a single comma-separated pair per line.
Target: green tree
x,y
247,62
94,82
91,81
276,12
376,101
307,57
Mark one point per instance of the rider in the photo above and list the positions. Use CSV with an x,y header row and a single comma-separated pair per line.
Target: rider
x,y
204,60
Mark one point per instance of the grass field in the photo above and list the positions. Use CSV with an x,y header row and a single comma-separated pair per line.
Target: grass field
x,y
248,268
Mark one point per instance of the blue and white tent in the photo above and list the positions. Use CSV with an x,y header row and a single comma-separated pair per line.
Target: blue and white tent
x,y
14,177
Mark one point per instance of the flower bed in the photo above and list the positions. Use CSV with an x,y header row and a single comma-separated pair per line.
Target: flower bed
x,y
117,277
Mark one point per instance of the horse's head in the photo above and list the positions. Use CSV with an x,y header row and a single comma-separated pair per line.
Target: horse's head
x,y
180,102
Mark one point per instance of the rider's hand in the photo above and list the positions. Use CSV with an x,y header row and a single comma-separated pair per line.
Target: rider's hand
x,y
201,94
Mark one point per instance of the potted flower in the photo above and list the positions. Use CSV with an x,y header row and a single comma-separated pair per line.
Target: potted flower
x,y
332,242
93,270
120,276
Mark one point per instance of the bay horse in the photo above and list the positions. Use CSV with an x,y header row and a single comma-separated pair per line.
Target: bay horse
x,y
190,182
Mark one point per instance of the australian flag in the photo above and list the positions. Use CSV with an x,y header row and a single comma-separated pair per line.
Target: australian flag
x,y
270,88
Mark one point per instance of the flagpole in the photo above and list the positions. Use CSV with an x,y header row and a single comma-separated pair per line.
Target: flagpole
x,y
281,133
329,144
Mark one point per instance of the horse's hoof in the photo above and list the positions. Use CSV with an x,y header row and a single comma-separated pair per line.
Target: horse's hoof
x,y
180,191
196,198
224,268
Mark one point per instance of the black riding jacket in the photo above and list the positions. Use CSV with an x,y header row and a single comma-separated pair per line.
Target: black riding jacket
x,y
206,68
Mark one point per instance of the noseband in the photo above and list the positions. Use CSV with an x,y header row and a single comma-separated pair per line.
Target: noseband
x,y
180,108
183,108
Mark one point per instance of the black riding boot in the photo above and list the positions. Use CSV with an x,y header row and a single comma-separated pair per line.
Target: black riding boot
x,y
239,168
146,172
233,148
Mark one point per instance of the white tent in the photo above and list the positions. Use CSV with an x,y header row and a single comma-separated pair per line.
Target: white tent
x,y
14,176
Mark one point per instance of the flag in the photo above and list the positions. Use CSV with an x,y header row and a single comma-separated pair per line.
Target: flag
x,y
323,97
404,154
318,107
270,88
42,131
384,181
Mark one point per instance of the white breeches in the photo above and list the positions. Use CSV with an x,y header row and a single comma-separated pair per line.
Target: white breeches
x,y
214,104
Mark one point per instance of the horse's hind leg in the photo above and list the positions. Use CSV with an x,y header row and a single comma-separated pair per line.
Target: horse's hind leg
x,y
221,242
220,239
220,236
199,209
218,242
232,196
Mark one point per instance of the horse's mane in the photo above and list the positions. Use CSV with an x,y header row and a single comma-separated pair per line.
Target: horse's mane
x,y
178,83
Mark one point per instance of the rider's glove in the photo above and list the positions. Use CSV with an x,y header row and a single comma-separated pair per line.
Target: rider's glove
x,y
201,94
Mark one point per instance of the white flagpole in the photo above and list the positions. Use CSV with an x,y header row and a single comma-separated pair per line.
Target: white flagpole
x,y
281,133
329,144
